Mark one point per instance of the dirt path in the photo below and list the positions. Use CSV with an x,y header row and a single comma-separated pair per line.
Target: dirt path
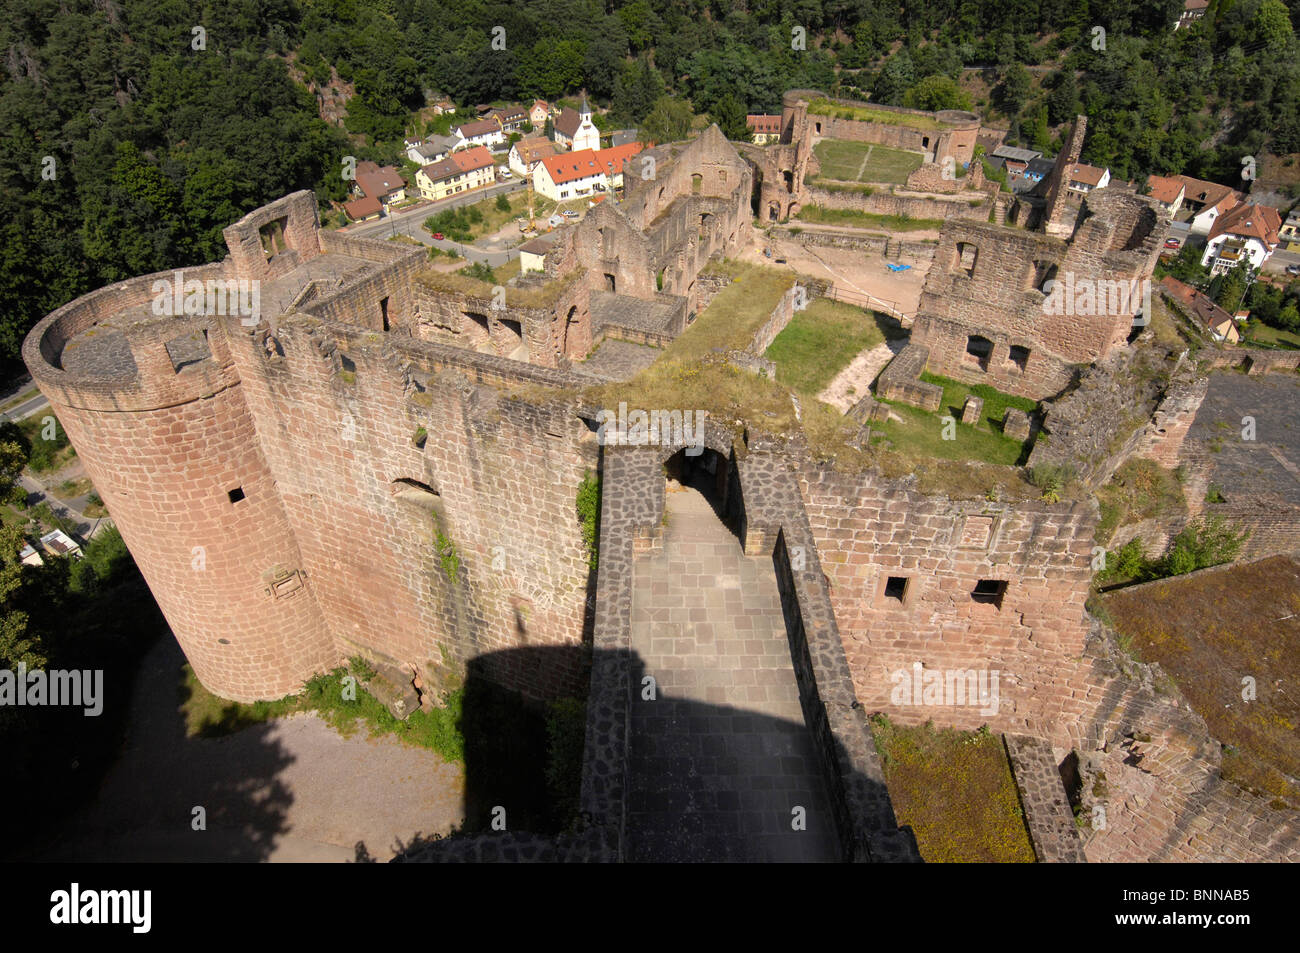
x,y
288,790
854,382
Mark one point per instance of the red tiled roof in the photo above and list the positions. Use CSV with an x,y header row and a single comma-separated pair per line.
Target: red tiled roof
x,y
378,182
1087,174
361,208
1164,188
534,149
1249,221
470,160
761,123
1210,194
572,166
612,159
1201,305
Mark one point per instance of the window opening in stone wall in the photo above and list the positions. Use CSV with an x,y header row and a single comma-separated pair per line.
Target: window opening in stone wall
x,y
272,236
896,588
236,494
978,350
989,592
383,311
1019,356
966,255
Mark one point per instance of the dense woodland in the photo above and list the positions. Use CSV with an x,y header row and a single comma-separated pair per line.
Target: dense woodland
x,y
155,145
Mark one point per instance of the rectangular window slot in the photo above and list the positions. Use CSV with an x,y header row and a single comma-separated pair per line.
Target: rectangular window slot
x,y
989,591
236,494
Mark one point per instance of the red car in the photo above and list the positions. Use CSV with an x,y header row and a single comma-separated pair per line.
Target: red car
x,y
1172,243
437,236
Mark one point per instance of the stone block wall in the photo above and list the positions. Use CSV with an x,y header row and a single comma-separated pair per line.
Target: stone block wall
x,y
900,380
423,555
869,529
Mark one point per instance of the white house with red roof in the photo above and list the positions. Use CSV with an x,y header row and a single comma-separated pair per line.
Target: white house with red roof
x,y
584,172
1245,233
461,171
1207,201
763,128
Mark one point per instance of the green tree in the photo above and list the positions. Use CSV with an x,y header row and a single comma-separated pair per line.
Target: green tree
x,y
1013,89
1272,25
670,120
894,79
17,645
934,93
730,117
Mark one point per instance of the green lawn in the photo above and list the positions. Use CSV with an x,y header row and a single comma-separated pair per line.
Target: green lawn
x,y
843,216
995,402
921,433
864,161
1266,335
819,342
824,107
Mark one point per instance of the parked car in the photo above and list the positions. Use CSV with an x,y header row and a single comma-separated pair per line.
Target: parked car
x,y
1293,269
1172,243
437,236
504,173
569,213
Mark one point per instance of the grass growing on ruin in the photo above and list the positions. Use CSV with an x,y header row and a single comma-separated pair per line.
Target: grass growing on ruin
x,y
820,341
693,373
1210,633
819,215
825,107
995,402
921,434
848,161
457,283
956,791
1141,489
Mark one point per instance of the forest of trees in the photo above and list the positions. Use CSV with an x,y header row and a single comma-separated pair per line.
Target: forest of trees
x,y
135,131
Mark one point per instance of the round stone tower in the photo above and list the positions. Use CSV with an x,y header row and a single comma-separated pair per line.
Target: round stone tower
x,y
149,396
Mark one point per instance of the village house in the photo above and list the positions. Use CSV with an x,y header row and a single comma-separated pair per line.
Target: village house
x,y
1289,234
444,107
1193,10
532,254
1036,170
575,130
539,112
526,153
582,173
1014,160
764,129
481,132
432,149
1201,308
510,118
377,188
1206,201
1083,178
1247,232
1168,191
461,171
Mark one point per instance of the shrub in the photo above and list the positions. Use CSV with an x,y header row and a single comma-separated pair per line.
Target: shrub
x,y
1209,543
503,203
588,514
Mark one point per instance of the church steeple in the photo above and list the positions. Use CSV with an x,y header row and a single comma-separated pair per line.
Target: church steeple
x,y
584,113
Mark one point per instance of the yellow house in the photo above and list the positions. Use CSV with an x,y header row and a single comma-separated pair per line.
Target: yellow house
x,y
460,172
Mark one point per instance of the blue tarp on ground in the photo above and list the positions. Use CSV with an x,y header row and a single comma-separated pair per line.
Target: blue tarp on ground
x,y
892,267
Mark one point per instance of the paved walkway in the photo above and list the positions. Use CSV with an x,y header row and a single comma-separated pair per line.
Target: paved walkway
x,y
721,758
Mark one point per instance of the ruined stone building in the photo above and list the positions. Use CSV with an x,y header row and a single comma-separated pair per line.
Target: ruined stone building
x,y
381,459
1025,310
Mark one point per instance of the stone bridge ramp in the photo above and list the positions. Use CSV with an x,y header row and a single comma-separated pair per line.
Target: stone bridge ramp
x,y
720,760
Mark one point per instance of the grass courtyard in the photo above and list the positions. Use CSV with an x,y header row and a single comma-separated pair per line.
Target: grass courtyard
x,y
956,791
923,434
819,342
845,161
818,215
